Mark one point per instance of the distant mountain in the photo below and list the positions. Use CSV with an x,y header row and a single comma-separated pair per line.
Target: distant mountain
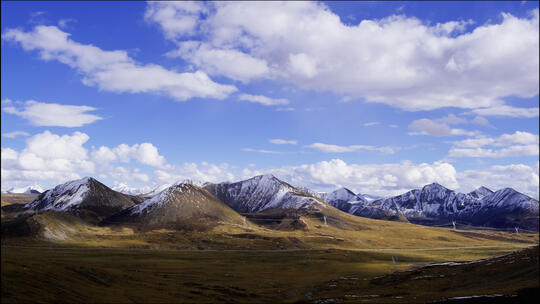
x,y
86,194
125,189
435,204
343,199
480,192
35,189
264,192
181,206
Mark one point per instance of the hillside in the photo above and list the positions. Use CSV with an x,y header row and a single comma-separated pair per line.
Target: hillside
x,y
181,206
264,192
435,204
86,197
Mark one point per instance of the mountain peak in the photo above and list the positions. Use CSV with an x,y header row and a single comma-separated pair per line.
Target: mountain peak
x,y
480,192
482,188
262,192
434,187
85,193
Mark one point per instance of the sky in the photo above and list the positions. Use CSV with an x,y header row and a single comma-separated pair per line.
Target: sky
x,y
378,97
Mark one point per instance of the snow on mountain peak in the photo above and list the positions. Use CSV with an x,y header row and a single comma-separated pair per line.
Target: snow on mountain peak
x,y
480,192
64,196
162,197
341,194
33,189
263,192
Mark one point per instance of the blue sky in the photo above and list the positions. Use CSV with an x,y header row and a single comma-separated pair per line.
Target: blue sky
x,y
379,97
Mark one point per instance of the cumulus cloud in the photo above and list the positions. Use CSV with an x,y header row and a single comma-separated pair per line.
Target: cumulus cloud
x,y
507,145
145,153
50,159
266,101
376,179
521,177
398,60
15,134
397,178
47,157
53,114
278,141
66,158
202,172
232,63
114,70
352,148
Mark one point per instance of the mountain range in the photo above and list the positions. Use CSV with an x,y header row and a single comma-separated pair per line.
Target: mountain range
x,y
434,204
188,206
35,189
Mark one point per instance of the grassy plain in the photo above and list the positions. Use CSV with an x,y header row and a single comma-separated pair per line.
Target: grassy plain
x,y
65,259
169,276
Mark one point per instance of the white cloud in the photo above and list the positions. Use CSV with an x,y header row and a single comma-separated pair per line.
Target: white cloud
x,y
373,123
521,177
71,160
203,172
427,126
513,151
352,148
15,134
176,18
47,157
398,60
63,23
479,120
303,65
144,153
53,114
504,110
289,109
451,119
114,70
376,179
516,144
267,101
397,178
261,151
50,159
278,141
125,174
231,63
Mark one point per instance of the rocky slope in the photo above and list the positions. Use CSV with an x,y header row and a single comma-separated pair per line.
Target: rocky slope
x,y
435,204
343,199
86,194
264,192
181,206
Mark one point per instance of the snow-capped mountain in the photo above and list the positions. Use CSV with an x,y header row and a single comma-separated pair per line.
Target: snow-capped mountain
x,y
264,192
480,192
180,206
83,194
158,189
436,204
368,197
34,189
124,188
343,199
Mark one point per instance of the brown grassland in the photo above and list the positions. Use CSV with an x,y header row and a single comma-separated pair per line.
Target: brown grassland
x,y
364,260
